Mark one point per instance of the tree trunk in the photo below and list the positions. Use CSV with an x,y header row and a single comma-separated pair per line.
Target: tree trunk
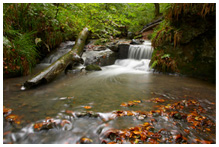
x,y
49,73
157,9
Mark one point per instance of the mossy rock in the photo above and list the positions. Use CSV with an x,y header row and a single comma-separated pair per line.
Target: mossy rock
x,y
93,67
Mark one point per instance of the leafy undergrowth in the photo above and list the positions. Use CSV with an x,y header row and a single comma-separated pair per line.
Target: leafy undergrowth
x,y
186,119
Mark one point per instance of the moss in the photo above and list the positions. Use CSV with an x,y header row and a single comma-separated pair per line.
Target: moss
x,y
139,36
195,50
93,67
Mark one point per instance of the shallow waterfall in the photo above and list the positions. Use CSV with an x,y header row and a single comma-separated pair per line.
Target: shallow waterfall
x,y
140,51
138,58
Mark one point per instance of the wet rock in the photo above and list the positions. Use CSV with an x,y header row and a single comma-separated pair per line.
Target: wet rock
x,y
177,116
113,46
137,41
151,129
130,35
164,132
99,48
141,117
93,67
49,123
89,114
101,58
156,114
123,51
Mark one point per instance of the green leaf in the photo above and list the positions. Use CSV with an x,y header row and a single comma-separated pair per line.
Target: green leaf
x,y
165,56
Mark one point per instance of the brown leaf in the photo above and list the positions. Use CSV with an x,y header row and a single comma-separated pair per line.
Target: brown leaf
x,y
178,136
205,142
187,131
152,141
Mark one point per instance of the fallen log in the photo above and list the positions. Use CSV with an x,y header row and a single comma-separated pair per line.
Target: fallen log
x,y
152,24
49,73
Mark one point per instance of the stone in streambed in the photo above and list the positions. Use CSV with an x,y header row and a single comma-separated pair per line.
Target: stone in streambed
x,y
177,116
92,67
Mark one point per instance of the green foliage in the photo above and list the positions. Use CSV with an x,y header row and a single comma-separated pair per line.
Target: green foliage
x,y
163,62
165,56
101,41
154,64
172,40
20,53
54,23
149,36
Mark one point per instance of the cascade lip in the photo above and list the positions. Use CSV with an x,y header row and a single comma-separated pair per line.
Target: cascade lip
x,y
143,51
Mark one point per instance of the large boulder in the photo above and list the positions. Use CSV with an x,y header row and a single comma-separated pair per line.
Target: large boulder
x,y
113,46
101,58
123,51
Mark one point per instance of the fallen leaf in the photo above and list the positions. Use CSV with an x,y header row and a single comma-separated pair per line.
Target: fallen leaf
x,y
65,122
124,105
205,142
86,140
13,118
87,107
112,142
187,131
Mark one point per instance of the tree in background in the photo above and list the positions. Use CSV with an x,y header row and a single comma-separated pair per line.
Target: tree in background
x,y
157,9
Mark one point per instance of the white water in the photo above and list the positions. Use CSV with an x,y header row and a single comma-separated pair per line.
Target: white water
x,y
137,63
64,48
139,52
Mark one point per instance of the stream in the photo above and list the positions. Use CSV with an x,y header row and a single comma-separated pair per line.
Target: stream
x,y
63,104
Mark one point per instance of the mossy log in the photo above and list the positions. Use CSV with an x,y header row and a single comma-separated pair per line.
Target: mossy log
x,y
49,73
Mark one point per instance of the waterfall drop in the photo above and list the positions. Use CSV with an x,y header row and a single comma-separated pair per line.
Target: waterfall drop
x,y
139,52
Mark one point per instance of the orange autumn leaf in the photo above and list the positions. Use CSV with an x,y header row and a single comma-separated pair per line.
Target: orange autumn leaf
x,y
38,126
137,132
192,127
6,133
196,123
178,136
187,131
86,140
124,105
184,138
68,111
196,140
129,113
157,100
137,101
87,107
13,118
205,142
112,142
6,110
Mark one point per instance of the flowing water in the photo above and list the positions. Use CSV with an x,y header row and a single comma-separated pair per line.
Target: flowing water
x,y
126,80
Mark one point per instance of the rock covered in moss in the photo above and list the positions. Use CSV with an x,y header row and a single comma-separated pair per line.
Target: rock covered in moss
x,y
93,67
